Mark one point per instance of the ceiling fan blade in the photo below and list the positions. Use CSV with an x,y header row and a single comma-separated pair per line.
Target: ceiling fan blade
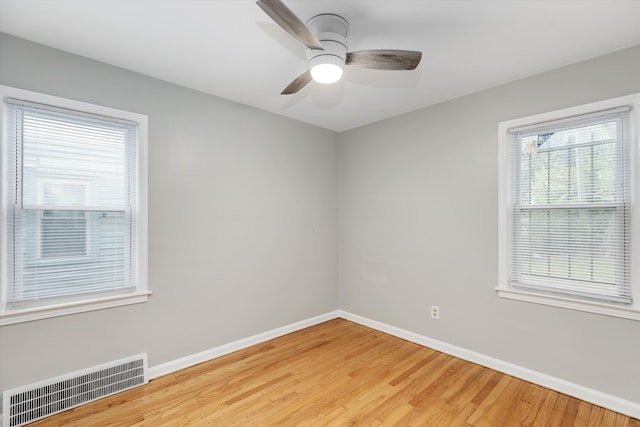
x,y
300,82
385,59
290,22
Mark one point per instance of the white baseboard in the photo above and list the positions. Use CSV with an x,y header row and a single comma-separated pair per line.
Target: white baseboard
x,y
204,356
596,397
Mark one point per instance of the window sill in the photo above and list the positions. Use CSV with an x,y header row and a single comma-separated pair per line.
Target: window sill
x,y
63,309
625,312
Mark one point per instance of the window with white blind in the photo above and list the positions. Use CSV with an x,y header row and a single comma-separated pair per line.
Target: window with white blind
x,y
566,203
74,207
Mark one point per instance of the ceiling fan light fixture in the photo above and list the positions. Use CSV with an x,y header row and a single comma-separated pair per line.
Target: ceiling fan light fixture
x,y
326,72
326,65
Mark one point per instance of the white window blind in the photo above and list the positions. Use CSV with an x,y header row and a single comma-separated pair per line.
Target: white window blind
x,y
71,198
571,207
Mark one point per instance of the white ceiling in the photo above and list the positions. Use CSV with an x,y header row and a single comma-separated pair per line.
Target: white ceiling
x,y
233,50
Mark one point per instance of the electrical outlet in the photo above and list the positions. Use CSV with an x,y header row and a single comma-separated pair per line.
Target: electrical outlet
x,y
435,312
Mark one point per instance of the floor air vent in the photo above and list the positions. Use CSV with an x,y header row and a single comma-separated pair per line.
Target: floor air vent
x,y
28,403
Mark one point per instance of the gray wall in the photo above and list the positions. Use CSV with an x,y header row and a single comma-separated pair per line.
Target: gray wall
x,y
242,222
418,227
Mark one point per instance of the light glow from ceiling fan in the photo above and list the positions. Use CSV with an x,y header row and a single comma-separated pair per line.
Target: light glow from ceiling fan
x,y
326,73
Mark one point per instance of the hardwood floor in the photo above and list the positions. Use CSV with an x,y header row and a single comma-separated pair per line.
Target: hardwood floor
x,y
339,373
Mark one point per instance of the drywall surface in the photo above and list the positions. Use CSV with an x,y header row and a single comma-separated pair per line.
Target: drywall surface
x,y
418,227
242,222
244,212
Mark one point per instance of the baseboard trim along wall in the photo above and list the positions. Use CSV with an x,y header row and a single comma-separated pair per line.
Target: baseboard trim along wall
x,y
205,356
596,397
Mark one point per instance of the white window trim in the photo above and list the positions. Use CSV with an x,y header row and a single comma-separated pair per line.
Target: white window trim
x,y
91,303
626,311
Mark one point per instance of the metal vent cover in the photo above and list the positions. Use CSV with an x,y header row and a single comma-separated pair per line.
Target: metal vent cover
x,y
28,403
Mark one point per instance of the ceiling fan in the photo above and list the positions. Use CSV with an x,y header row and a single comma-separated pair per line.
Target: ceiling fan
x,y
324,36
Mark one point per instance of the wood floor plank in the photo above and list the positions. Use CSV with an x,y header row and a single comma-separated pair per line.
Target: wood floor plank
x,y
558,414
488,388
543,416
528,407
432,392
583,414
500,411
410,387
338,373
478,417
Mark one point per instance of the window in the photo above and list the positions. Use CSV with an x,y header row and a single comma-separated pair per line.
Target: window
x,y
567,219
74,207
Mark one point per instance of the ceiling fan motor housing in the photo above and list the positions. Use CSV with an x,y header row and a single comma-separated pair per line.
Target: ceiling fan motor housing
x,y
331,30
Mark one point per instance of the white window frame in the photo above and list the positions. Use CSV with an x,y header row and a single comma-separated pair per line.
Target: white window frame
x,y
76,304
505,138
